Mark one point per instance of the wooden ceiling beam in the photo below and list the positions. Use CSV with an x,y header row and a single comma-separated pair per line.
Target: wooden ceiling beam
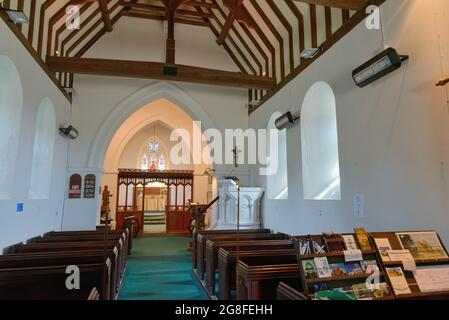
x,y
59,45
42,11
225,45
201,4
287,27
154,70
105,14
160,9
237,47
298,14
159,17
242,41
275,33
237,12
341,4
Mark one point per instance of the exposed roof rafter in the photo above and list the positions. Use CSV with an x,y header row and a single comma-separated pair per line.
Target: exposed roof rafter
x,y
263,37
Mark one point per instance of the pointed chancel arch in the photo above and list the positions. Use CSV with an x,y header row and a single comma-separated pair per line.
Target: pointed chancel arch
x,y
277,183
11,101
319,144
44,143
149,108
144,96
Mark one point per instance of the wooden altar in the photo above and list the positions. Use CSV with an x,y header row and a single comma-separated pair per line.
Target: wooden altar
x,y
131,191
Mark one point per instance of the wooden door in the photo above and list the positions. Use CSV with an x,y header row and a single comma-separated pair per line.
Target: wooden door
x,y
177,215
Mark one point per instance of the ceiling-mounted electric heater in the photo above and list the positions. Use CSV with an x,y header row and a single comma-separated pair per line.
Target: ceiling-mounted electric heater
x,y
382,64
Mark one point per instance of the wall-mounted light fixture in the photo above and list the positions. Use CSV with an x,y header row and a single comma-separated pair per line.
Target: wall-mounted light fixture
x,y
254,103
16,16
69,90
286,121
382,64
69,131
310,53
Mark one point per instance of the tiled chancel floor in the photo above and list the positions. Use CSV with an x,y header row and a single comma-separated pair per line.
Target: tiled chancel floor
x,y
160,268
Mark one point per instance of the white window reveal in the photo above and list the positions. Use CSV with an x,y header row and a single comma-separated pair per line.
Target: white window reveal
x,y
11,100
319,144
44,143
277,183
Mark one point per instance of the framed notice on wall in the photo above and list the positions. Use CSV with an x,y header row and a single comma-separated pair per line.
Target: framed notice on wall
x,y
89,186
75,186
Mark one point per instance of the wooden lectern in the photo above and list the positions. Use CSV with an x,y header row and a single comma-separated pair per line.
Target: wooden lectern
x,y
197,215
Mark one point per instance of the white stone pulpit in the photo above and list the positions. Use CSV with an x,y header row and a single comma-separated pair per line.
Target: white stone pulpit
x,y
227,207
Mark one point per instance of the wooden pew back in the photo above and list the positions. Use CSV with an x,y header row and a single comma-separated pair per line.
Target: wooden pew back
x,y
258,277
49,283
201,245
227,262
31,260
211,259
215,232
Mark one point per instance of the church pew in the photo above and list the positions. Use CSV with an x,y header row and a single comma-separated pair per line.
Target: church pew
x,y
215,232
126,232
286,292
49,283
126,236
227,262
27,260
201,245
258,277
128,224
99,231
112,246
120,238
211,254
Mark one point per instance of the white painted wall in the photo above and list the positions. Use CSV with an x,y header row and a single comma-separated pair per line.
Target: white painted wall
x,y
40,216
102,104
393,135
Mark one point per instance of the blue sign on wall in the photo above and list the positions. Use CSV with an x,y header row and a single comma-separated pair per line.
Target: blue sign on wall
x,y
19,207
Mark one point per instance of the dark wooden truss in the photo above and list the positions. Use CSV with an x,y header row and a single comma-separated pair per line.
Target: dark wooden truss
x,y
263,37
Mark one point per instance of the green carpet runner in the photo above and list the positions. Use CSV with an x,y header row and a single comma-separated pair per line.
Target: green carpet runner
x,y
160,269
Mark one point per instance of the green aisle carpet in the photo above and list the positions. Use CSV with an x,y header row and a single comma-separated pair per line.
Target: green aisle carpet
x,y
160,268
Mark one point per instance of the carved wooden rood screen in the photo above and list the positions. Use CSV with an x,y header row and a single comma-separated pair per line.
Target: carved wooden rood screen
x,y
176,187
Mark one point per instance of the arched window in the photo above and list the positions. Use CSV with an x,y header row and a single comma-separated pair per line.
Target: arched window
x,y
153,158
277,183
319,144
44,143
11,98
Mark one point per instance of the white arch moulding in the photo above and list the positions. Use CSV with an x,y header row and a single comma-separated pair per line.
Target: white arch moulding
x,y
122,111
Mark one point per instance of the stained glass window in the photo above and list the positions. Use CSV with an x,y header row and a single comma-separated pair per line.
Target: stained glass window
x,y
161,162
153,159
144,162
